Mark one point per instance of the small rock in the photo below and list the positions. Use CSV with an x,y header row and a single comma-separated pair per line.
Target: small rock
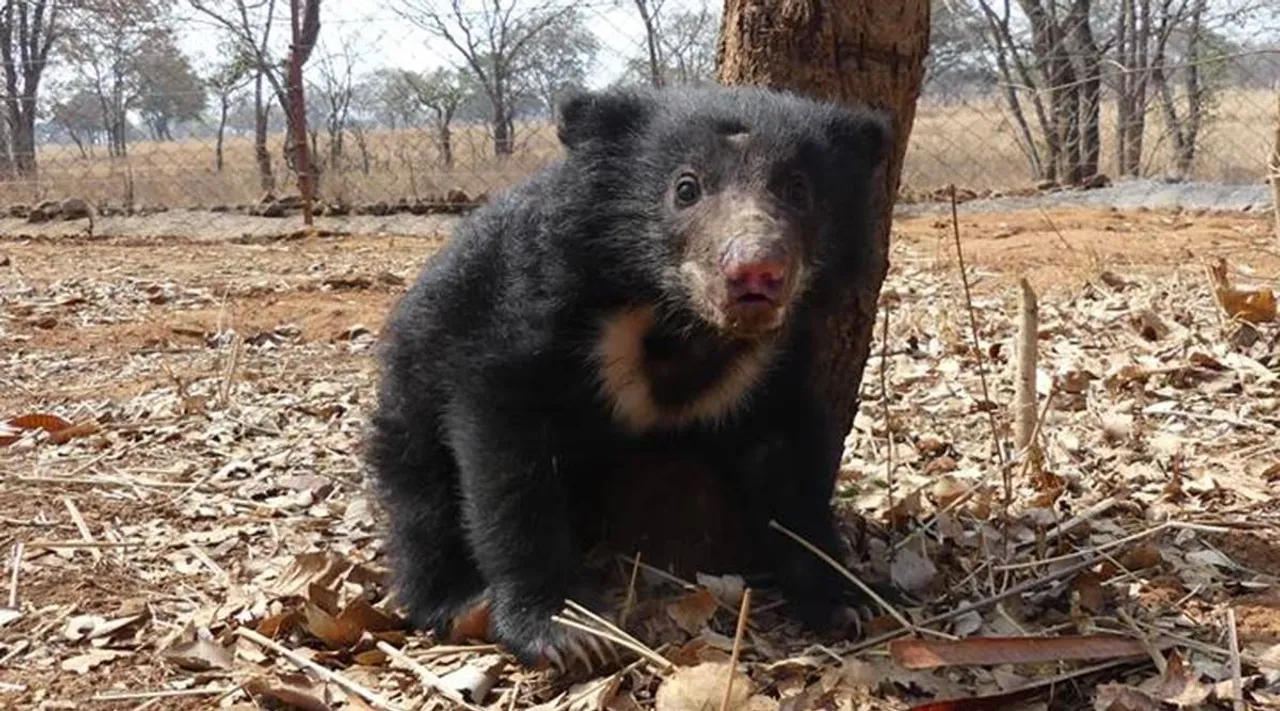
x,y
44,212
74,209
19,210
1093,182
4,260
220,208
457,196
275,209
45,322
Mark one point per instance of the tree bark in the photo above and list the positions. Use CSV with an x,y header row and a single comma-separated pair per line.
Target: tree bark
x,y
855,51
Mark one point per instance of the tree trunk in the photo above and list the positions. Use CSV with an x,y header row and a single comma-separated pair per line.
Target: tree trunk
x,y
223,109
862,51
651,42
262,115
444,143
23,140
1086,48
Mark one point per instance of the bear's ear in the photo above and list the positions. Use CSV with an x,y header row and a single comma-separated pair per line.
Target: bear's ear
x,y
603,116
865,135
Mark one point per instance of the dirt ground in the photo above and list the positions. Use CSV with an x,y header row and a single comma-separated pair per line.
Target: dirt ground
x,y
205,477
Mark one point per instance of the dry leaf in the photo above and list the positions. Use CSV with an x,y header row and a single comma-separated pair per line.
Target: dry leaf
x,y
727,589
1179,685
37,421
692,611
1120,697
912,572
925,654
475,679
1087,586
292,690
1143,556
200,654
947,489
88,661
596,694
1251,306
319,568
702,686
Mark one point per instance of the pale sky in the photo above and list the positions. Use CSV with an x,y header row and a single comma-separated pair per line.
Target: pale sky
x,y
386,39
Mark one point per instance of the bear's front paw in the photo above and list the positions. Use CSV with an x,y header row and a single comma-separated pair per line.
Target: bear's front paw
x,y
537,641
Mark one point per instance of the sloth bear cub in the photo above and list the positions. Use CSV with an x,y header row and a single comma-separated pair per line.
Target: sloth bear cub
x,y
658,289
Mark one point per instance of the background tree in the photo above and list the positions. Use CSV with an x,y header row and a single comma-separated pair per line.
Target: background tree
x,y
225,81
680,46
248,24
493,43
79,115
441,93
170,91
559,58
29,30
865,51
394,101
333,93
111,43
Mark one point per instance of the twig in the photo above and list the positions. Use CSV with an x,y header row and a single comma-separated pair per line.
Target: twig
x,y
1087,515
902,620
13,575
99,481
209,563
427,677
677,580
884,401
81,526
634,644
1024,408
737,647
966,609
630,600
1112,544
229,376
157,694
324,673
42,543
977,344
1156,658
1237,684
642,651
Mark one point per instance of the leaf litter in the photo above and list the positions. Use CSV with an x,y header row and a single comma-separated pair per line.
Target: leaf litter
x,y
221,547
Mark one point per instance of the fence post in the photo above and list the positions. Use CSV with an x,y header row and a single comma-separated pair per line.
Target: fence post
x,y
297,102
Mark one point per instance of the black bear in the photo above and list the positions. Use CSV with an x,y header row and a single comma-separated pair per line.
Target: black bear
x,y
658,288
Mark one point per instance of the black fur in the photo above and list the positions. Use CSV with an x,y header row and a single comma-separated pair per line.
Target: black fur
x,y
491,427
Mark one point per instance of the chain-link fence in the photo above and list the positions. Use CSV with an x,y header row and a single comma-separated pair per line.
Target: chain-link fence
x,y
411,104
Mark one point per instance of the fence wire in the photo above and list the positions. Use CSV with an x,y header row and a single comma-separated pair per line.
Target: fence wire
x,y
421,106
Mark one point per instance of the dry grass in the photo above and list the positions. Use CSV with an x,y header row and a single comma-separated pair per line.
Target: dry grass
x,y
975,144
971,144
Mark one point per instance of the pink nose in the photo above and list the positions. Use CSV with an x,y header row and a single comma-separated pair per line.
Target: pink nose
x,y
759,279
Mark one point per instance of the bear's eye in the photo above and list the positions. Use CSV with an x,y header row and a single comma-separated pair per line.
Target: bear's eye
x,y
796,191
688,190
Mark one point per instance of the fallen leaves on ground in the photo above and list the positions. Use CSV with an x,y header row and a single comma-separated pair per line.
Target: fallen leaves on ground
x,y
218,476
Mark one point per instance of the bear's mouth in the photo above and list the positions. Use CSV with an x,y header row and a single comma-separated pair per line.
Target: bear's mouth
x,y
753,299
